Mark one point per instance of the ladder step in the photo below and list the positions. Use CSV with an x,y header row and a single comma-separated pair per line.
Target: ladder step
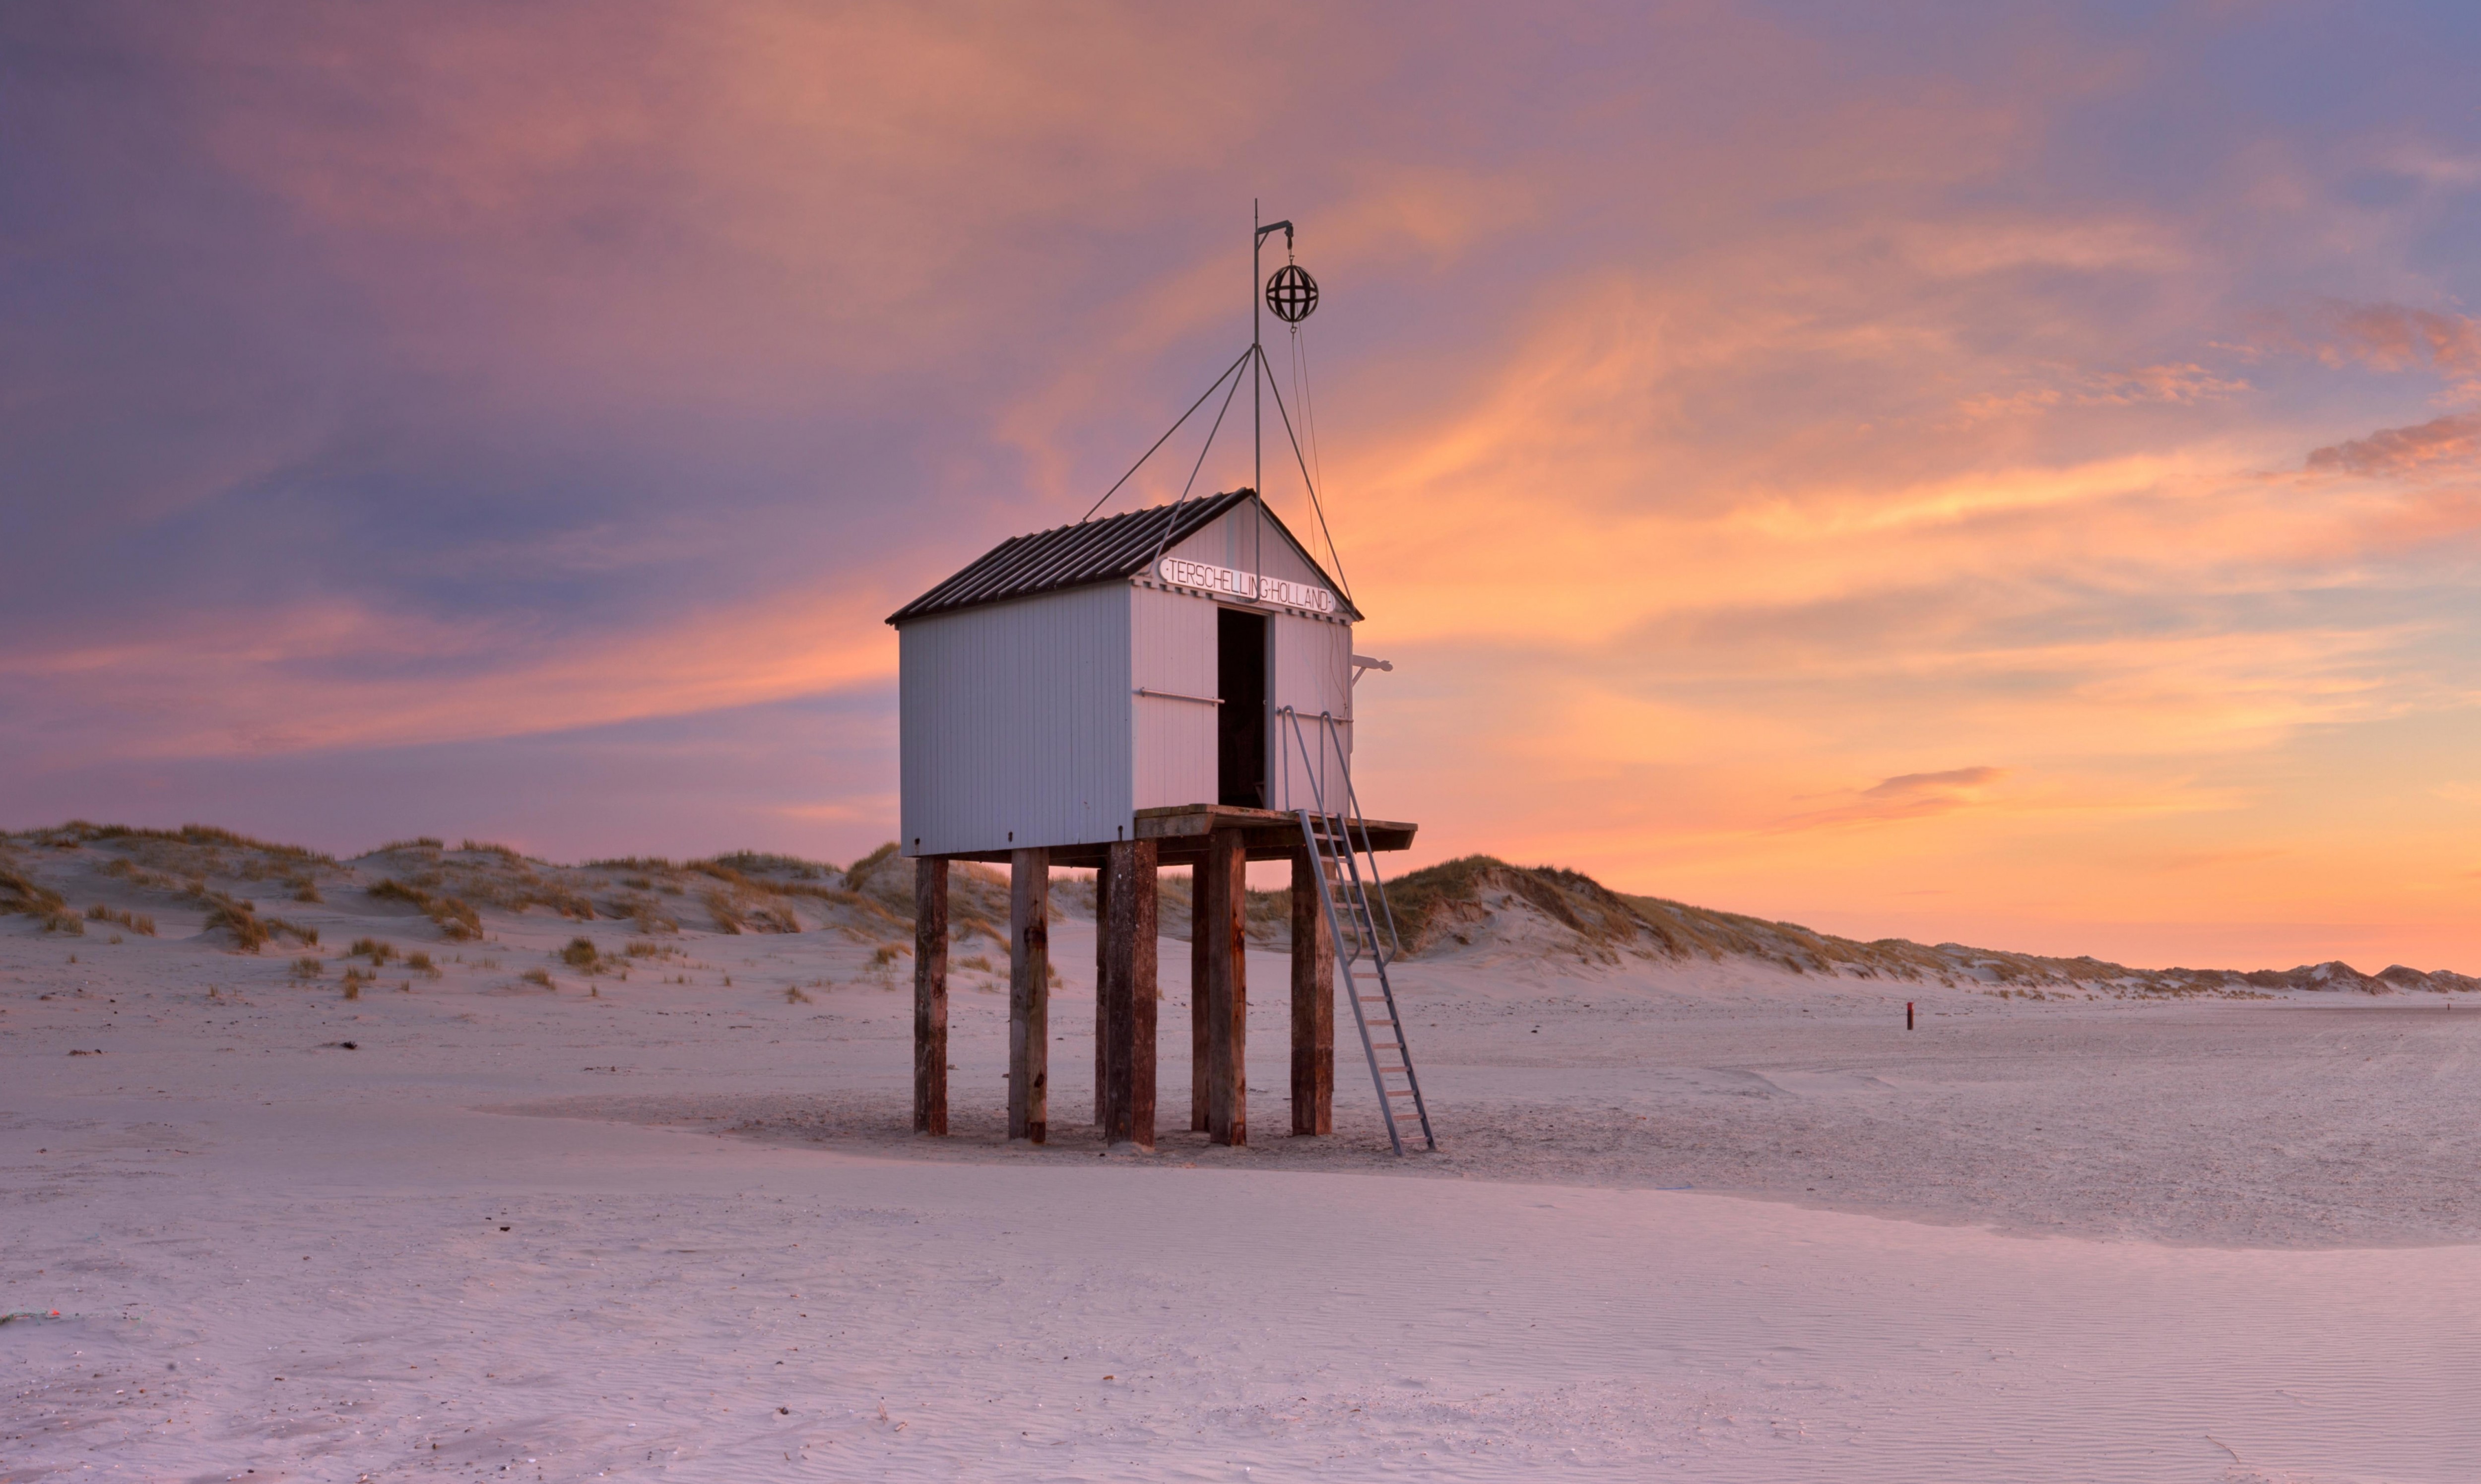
x,y
1355,897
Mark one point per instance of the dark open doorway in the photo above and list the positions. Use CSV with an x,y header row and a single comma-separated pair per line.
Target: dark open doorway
x,y
1241,721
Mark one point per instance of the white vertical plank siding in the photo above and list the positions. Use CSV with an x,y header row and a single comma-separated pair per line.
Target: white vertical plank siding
x,y
1172,650
1313,673
1021,725
1015,721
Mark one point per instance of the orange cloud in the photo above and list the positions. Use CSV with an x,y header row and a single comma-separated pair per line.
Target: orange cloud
x,y
1904,796
336,675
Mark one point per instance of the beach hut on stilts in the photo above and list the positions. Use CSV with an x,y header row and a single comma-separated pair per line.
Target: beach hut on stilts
x,y
1167,687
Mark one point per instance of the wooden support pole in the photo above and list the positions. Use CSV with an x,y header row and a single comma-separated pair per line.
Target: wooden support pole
x,y
1102,979
1313,1004
1201,950
1221,915
1028,995
1127,992
929,996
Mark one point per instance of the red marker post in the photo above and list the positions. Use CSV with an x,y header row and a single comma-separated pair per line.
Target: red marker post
x,y
1908,1015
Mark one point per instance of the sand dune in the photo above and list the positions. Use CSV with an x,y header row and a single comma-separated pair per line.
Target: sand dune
x,y
1474,909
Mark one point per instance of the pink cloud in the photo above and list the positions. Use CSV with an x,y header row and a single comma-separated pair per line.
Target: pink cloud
x,y
2396,337
2442,445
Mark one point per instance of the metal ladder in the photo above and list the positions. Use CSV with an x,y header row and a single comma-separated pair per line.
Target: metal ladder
x,y
1353,897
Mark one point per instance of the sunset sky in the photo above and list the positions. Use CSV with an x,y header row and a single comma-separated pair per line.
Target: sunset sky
x,y
2004,474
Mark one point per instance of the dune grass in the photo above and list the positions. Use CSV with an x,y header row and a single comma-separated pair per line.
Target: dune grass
x,y
455,918
136,922
20,893
205,834
251,930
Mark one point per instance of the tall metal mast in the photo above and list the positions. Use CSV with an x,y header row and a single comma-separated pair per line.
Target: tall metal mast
x,y
1258,369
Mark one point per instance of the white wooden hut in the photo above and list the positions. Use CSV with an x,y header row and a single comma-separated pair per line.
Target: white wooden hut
x,y
1168,687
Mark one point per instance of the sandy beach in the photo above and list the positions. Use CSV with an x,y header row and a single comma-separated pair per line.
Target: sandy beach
x,y
1715,1221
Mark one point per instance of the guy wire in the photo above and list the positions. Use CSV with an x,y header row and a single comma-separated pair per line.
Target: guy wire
x,y
1309,420
1297,458
1165,438
1174,513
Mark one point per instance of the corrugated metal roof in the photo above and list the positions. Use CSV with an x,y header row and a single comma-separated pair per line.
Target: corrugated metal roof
x,y
1113,549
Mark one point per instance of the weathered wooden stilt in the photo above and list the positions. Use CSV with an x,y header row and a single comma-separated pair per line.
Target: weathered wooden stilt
x,y
1028,995
1102,977
929,996
1127,993
1220,913
1201,950
1313,1004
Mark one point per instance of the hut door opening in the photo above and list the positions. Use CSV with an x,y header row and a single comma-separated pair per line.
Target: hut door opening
x,y
1241,721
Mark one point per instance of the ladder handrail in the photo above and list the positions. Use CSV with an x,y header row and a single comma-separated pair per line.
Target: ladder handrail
x,y
1318,831
1330,731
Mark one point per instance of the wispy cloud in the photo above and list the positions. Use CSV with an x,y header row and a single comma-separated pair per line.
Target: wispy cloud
x,y
2185,381
343,675
1904,796
2392,337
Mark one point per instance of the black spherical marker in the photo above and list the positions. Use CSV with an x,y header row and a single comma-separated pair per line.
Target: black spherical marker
x,y
1291,293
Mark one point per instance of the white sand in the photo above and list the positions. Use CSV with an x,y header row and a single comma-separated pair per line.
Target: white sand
x,y
2269,1272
